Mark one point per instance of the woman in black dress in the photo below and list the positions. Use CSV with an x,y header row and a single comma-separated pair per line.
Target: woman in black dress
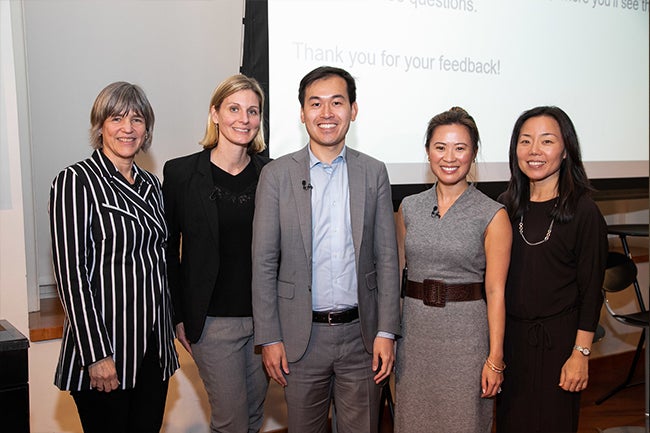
x,y
553,292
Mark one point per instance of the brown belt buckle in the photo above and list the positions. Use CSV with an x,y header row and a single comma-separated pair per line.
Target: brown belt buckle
x,y
434,293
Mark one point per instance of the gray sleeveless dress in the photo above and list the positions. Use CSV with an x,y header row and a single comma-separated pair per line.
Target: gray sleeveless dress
x,y
441,353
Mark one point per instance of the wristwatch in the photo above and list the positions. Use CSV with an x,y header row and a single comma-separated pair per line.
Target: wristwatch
x,y
584,350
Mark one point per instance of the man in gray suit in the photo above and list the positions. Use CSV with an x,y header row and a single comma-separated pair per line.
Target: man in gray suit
x,y
325,269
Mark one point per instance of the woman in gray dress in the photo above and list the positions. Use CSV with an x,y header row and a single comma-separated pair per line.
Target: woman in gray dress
x,y
456,242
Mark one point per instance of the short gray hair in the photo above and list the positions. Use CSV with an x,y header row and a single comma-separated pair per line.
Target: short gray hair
x,y
118,99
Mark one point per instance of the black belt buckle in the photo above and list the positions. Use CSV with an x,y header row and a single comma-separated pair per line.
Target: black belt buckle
x,y
434,293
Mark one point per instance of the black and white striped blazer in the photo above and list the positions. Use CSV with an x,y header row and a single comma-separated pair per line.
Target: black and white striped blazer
x,y
108,249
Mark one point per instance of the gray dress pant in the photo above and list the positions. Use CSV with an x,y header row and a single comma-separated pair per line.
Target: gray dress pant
x,y
335,366
232,373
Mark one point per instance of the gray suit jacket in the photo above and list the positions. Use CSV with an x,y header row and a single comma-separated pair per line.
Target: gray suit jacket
x,y
282,251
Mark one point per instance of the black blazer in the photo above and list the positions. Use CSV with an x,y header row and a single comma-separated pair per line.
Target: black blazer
x,y
108,249
192,217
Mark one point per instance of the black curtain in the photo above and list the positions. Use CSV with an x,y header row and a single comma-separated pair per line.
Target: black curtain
x,y
255,61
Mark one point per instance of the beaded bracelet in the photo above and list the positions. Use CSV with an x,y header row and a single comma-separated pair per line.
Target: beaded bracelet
x,y
492,366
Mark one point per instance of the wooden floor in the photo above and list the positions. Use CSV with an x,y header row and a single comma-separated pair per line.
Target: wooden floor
x,y
624,408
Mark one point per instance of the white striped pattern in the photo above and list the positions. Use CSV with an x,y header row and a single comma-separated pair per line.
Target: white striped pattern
x,y
108,249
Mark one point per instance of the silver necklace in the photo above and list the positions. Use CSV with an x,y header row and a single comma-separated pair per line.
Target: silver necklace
x,y
532,244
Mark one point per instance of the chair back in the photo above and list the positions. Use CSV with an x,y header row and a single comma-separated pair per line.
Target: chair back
x,y
620,272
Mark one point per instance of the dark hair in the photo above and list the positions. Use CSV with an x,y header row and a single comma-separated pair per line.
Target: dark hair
x,y
573,182
118,99
324,72
454,116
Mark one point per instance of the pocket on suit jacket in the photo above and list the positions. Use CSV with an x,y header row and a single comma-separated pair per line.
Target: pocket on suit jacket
x,y
110,222
286,290
371,280
118,211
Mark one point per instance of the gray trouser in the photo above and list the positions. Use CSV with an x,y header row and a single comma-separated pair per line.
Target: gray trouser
x,y
335,366
232,374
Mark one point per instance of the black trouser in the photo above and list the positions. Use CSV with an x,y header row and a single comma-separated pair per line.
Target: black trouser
x,y
136,410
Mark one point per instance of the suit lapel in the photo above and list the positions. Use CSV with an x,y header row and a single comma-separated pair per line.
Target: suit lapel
x,y
298,173
205,187
142,201
357,187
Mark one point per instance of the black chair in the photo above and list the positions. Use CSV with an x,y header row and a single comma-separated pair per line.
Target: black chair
x,y
620,274
623,231
599,334
386,400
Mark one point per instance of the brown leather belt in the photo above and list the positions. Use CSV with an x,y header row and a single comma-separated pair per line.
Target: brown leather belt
x,y
335,317
436,293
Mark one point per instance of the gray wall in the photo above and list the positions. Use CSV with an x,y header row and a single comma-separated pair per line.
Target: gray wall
x,y
177,50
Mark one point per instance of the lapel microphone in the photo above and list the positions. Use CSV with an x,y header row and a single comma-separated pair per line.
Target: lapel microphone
x,y
306,186
434,212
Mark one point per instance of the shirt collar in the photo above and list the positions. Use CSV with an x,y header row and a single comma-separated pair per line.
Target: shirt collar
x,y
313,161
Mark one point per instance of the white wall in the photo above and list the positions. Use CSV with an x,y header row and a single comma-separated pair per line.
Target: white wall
x,y
13,282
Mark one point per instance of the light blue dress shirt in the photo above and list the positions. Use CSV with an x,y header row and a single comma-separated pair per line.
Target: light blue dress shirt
x,y
334,276
334,271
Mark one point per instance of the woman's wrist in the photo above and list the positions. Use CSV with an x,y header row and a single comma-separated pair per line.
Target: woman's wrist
x,y
497,367
496,356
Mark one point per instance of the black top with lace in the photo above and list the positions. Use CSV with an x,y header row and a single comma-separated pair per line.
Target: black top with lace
x,y
235,200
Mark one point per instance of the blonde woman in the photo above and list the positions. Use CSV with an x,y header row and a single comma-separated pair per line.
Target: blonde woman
x,y
209,205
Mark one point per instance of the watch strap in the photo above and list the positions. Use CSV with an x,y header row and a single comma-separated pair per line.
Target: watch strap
x,y
585,351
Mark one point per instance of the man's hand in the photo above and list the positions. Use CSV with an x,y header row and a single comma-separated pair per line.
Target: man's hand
x,y
275,361
383,358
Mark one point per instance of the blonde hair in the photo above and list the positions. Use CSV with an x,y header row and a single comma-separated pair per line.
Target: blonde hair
x,y
227,87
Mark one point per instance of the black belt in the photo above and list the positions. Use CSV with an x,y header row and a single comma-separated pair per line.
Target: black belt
x,y
335,317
